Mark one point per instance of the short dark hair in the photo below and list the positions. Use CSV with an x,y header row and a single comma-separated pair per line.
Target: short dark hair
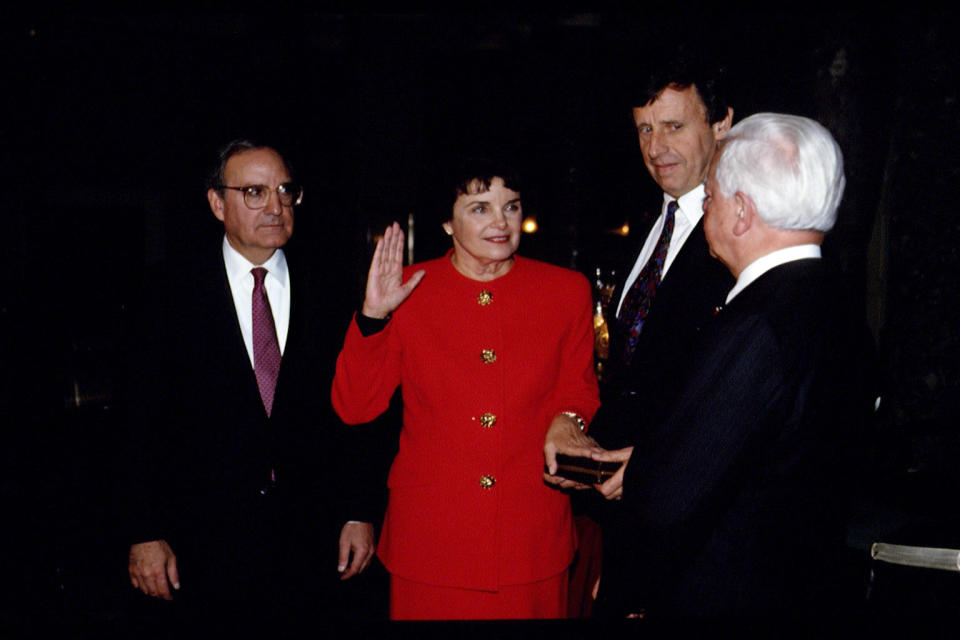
x,y
681,68
466,171
216,177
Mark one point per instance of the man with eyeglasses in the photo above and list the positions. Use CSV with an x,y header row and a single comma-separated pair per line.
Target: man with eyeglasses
x,y
235,450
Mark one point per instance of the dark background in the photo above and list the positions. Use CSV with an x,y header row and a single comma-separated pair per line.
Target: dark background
x,y
111,119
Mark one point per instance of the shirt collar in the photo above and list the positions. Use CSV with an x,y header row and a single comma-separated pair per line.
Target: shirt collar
x,y
761,265
689,205
238,266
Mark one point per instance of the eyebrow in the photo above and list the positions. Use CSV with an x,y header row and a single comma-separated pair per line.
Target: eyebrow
x,y
473,202
667,122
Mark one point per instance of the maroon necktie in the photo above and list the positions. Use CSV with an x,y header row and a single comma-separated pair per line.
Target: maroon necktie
x,y
266,350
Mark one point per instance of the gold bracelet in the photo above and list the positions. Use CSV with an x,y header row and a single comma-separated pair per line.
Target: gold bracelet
x,y
576,418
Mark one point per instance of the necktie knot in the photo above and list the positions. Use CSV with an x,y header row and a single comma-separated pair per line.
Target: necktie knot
x,y
259,273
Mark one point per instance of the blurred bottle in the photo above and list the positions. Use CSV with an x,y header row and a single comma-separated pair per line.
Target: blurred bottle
x,y
601,339
604,285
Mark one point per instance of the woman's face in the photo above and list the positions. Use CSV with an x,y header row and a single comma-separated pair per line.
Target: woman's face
x,y
485,225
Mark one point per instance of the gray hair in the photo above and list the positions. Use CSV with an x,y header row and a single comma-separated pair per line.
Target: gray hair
x,y
790,166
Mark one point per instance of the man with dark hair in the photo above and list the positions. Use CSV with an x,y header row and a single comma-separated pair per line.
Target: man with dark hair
x,y
673,286
239,506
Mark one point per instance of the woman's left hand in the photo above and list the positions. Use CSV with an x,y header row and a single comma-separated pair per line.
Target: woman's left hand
x,y
564,436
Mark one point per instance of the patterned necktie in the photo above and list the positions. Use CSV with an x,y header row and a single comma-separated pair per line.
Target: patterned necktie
x,y
636,305
266,350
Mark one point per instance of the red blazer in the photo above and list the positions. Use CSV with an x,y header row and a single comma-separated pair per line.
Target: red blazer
x,y
468,422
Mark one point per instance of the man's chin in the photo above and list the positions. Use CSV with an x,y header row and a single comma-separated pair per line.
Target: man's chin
x,y
274,239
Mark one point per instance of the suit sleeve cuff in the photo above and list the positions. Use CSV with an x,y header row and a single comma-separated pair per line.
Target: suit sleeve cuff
x,y
369,326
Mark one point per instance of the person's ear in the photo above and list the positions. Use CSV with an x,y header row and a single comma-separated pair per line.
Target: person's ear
x,y
722,127
447,228
216,203
746,213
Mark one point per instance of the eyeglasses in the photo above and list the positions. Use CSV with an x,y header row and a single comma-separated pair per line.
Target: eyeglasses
x,y
256,196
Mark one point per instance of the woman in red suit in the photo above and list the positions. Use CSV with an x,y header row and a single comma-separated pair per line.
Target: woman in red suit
x,y
493,353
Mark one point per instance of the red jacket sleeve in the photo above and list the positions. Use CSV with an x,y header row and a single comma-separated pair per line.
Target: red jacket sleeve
x,y
368,372
576,388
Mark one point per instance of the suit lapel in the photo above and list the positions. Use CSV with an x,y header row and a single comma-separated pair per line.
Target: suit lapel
x,y
627,267
297,332
235,350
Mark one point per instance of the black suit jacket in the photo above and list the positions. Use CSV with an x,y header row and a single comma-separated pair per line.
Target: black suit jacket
x,y
202,446
735,503
686,299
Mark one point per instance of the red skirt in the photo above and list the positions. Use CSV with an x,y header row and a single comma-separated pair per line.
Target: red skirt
x,y
411,600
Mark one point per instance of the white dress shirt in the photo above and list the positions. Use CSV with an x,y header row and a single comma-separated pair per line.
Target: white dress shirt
x,y
689,212
277,283
761,265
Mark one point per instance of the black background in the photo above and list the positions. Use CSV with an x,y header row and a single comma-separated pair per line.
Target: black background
x,y
111,119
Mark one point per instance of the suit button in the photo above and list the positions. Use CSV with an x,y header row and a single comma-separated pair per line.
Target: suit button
x,y
484,298
488,356
487,482
487,420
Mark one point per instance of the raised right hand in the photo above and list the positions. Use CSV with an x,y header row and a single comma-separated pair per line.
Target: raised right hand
x,y
385,287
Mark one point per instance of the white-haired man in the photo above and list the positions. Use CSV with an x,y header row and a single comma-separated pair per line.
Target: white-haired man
x,y
738,498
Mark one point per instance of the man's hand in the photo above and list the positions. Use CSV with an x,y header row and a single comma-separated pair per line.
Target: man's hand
x,y
153,568
385,287
356,539
612,489
564,436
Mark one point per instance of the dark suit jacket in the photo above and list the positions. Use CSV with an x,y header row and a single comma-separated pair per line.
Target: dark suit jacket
x,y
685,301
736,502
203,447
634,398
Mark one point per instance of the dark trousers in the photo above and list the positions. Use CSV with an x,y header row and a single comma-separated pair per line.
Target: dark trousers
x,y
277,570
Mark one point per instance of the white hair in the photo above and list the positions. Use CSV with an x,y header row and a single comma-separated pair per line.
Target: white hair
x,y
790,166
